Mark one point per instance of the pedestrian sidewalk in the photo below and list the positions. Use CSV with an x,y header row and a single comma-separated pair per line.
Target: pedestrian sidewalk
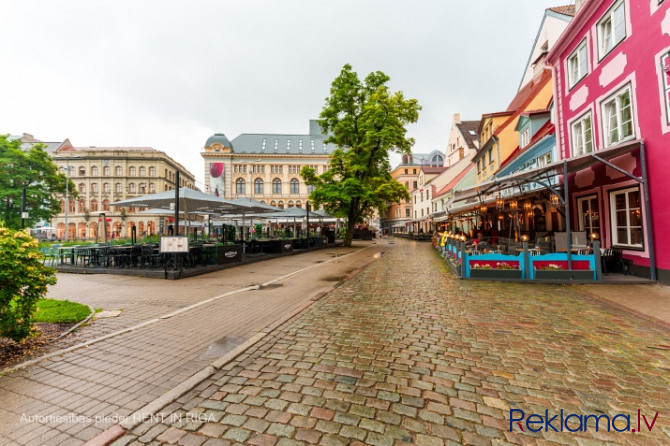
x,y
648,301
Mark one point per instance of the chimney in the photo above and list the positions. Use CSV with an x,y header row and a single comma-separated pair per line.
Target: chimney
x,y
457,118
404,159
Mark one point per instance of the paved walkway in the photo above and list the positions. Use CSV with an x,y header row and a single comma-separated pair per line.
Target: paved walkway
x,y
404,353
167,331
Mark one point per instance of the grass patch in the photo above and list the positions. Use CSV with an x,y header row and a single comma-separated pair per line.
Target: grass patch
x,y
60,311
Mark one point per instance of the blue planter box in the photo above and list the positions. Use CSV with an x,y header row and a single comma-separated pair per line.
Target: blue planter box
x,y
495,274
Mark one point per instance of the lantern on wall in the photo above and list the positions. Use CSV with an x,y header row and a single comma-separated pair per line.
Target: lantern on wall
x,y
554,200
513,205
500,203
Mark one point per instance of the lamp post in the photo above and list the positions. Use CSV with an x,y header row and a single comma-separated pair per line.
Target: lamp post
x,y
67,197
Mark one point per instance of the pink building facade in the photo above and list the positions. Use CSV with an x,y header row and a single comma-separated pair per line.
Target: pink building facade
x,y
611,71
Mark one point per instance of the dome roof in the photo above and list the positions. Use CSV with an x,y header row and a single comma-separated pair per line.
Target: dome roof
x,y
218,138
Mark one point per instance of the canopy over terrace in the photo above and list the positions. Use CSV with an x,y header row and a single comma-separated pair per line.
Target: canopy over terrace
x,y
550,177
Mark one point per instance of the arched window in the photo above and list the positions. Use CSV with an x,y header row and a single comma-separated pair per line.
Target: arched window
x,y
118,187
131,188
94,188
105,205
290,204
310,188
106,188
94,205
258,186
276,186
82,171
72,205
143,188
273,203
82,206
280,205
132,171
152,188
118,171
143,171
295,186
298,204
82,188
240,186
105,171
94,171
152,171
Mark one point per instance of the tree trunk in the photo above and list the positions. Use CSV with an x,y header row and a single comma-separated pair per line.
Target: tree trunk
x,y
349,235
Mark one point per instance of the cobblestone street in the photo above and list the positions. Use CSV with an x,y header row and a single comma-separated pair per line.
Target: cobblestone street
x,y
405,353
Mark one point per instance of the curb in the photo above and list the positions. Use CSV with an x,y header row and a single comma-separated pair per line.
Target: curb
x,y
78,324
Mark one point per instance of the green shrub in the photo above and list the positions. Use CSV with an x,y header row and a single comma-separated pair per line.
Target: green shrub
x,y
23,281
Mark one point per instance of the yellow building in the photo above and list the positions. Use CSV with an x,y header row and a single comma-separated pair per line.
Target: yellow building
x,y
497,131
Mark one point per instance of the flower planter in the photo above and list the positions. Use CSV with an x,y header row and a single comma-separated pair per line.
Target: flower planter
x,y
565,275
494,274
229,254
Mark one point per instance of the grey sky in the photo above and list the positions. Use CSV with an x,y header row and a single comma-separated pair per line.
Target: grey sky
x,y
168,74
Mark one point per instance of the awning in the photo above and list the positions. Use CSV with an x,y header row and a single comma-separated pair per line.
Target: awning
x,y
545,173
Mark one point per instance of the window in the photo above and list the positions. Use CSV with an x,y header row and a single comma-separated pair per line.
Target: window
x,y
626,218
298,204
82,171
408,212
143,188
152,188
611,28
240,168
82,188
132,171
94,188
582,136
415,184
258,186
280,205
105,171
310,189
665,68
132,189
118,188
589,217
525,139
490,157
577,64
118,171
406,171
617,114
143,171
94,171
105,205
94,205
152,171
106,188
295,186
276,186
240,186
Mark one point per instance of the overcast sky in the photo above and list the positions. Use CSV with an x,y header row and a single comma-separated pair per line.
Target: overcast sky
x,y
168,74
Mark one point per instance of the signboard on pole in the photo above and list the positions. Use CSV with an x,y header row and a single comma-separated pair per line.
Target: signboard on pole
x,y
174,244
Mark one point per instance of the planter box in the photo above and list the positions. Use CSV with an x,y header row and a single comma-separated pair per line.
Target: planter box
x,y
301,243
494,274
565,275
317,242
270,246
229,254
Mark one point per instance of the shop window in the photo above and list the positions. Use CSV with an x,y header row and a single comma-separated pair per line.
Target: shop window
x,y
626,218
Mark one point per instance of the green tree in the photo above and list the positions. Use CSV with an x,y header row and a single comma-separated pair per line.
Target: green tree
x,y
365,121
23,281
34,170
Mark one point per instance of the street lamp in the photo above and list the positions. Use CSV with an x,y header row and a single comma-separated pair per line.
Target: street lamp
x,y
67,197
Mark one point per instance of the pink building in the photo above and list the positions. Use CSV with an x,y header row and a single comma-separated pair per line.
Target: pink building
x,y
611,70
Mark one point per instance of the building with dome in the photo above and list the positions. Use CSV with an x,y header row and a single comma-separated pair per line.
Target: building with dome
x,y
264,166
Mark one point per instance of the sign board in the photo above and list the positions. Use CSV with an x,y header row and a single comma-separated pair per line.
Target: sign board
x,y
174,244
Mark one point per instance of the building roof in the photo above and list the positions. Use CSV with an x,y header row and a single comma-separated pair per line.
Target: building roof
x,y
469,131
433,169
547,129
529,91
107,149
271,143
218,138
28,141
565,10
451,184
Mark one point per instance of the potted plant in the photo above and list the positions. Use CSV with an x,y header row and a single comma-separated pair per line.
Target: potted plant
x,y
495,270
556,271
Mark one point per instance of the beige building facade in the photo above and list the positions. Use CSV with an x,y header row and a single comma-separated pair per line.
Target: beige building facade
x,y
265,167
105,175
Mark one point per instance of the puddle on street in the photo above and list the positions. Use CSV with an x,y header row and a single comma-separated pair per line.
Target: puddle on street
x,y
222,346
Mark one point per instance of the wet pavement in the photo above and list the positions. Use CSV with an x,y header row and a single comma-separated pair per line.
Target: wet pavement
x,y
405,353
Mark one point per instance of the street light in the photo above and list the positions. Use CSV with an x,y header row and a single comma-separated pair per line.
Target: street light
x,y
67,197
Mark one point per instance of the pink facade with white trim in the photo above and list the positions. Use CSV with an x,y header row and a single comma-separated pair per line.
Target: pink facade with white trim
x,y
611,90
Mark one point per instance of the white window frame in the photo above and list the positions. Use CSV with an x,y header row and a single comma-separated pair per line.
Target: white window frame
x,y
589,218
578,64
580,137
664,61
612,117
525,139
611,32
613,218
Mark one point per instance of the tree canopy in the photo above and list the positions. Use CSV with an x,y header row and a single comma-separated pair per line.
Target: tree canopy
x,y
366,122
35,170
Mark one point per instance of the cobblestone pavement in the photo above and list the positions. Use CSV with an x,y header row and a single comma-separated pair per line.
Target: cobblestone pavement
x,y
148,352
405,353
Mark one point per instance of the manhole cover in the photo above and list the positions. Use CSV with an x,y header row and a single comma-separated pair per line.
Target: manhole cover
x,y
222,346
